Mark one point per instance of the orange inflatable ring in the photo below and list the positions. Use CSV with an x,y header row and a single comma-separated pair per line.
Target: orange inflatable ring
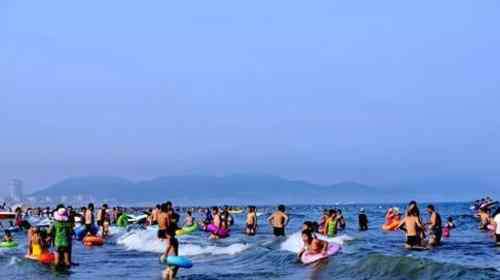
x,y
392,226
47,258
93,241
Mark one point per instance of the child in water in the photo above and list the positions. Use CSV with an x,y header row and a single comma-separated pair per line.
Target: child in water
x,y
172,250
8,236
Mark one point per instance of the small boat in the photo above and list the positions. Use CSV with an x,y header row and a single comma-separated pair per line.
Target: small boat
x,y
7,215
236,211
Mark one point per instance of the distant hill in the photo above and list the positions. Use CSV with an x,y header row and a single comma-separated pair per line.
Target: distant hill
x,y
208,190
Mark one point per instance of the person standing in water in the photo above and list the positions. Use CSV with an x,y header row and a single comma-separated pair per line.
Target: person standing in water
x,y
89,219
172,249
435,226
103,220
163,221
331,224
279,220
362,220
251,225
412,227
60,234
154,215
189,220
496,219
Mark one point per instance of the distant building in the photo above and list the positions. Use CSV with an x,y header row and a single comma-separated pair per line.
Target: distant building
x,y
16,190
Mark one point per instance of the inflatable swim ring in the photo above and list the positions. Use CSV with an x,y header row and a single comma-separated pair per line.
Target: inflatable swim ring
x,y
178,261
220,232
80,232
308,258
187,230
47,258
8,244
93,241
392,226
122,221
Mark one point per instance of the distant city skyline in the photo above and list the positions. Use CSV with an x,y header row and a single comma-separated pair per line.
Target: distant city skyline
x,y
390,94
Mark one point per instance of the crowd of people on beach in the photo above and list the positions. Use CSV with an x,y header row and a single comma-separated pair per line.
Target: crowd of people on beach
x,y
92,227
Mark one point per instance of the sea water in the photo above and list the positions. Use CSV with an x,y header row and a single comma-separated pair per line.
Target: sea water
x,y
374,254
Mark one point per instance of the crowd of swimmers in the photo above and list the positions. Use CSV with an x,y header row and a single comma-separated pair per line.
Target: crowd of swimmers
x,y
59,235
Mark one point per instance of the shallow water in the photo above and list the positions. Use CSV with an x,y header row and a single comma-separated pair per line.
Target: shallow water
x,y
133,254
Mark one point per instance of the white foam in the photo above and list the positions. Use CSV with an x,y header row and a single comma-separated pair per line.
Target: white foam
x,y
147,241
294,242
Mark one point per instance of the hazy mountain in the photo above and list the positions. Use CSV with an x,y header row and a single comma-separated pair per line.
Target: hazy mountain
x,y
207,190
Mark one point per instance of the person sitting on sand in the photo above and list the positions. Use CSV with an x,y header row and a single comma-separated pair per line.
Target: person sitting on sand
x,y
312,244
251,224
279,220
412,226
435,226
362,220
172,249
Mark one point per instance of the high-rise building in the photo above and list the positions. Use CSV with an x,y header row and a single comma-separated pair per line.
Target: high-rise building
x,y
16,190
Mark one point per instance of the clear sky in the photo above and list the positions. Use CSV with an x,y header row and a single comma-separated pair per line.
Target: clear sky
x,y
385,93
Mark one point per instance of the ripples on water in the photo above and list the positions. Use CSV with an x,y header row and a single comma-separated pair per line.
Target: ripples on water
x,y
133,254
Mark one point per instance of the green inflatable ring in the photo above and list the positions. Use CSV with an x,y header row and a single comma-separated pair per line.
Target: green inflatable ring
x,y
8,244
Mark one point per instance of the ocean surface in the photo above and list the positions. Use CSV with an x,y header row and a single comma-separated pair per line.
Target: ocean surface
x,y
134,253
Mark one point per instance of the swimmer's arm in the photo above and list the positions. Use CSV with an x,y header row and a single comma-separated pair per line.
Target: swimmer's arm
x,y
286,219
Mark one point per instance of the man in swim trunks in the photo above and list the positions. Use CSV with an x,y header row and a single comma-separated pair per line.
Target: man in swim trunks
x,y
172,249
89,219
154,215
251,226
412,226
435,226
279,220
103,220
163,221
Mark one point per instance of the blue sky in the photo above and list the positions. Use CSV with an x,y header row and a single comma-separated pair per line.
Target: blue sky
x,y
384,93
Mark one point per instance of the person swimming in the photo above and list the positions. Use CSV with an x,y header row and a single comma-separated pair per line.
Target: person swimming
x,y
312,244
279,220
484,218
